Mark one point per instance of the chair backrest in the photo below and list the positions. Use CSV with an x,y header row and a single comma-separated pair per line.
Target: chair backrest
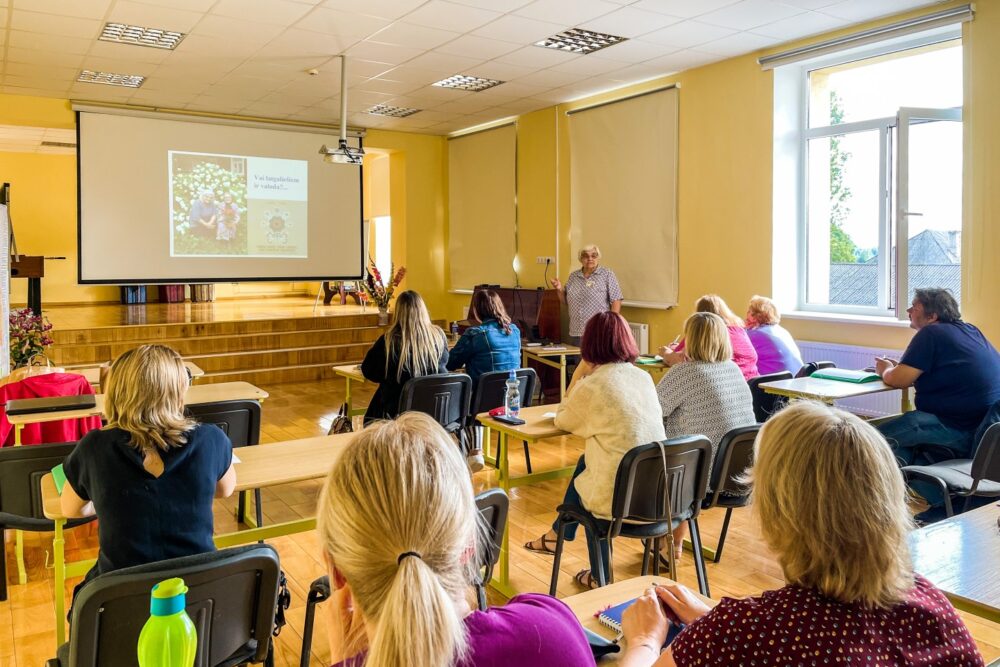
x,y
231,599
21,468
986,462
765,404
444,397
493,505
492,388
240,420
732,457
813,366
659,481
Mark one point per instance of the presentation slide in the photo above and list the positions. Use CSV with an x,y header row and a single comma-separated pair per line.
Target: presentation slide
x,y
174,201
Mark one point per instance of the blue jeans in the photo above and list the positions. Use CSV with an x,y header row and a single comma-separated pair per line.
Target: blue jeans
x,y
593,544
914,428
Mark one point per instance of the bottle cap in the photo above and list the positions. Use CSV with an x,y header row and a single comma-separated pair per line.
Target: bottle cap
x,y
168,597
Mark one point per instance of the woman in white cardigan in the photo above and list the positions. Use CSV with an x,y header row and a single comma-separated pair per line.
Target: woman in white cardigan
x,y
613,405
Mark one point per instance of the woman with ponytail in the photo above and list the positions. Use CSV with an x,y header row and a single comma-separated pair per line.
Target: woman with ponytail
x,y
151,474
401,537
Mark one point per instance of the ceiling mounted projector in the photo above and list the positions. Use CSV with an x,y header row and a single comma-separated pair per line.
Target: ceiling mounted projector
x,y
343,154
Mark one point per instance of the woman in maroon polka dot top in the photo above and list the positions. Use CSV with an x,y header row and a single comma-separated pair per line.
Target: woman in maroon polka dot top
x,y
832,506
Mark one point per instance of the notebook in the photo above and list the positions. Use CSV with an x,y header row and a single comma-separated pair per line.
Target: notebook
x,y
26,406
846,375
59,477
612,618
648,359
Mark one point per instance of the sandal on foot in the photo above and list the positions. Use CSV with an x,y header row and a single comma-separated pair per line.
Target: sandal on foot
x,y
544,549
586,579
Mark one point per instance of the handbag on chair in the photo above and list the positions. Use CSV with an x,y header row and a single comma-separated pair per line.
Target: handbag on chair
x,y
341,423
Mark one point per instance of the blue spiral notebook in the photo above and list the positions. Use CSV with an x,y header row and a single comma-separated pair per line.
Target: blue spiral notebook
x,y
612,618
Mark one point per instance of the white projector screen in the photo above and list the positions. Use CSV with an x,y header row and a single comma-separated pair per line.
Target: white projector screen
x,y
173,201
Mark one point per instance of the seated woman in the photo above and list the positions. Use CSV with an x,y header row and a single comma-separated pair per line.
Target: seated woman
x,y
401,537
412,347
743,351
707,394
152,473
832,506
776,349
612,404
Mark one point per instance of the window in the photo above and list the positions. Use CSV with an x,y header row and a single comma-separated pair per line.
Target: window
x,y
879,159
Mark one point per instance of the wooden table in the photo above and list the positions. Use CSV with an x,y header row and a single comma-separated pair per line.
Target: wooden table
x,y
961,556
536,427
260,466
551,355
657,369
828,391
586,605
93,373
351,373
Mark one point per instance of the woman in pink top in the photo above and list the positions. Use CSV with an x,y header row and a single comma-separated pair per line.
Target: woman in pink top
x,y
744,353
832,506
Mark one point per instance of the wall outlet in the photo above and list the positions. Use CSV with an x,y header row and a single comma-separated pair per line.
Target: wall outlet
x,y
545,260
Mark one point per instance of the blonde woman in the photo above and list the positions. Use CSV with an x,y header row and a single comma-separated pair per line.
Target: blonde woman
x,y
589,290
412,347
776,349
707,394
832,506
744,353
151,474
400,534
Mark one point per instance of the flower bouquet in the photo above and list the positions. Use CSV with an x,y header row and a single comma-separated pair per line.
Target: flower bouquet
x,y
377,292
29,335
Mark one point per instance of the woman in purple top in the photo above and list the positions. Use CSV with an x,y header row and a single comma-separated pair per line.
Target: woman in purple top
x,y
832,506
401,537
776,349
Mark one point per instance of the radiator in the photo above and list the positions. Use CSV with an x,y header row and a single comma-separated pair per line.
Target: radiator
x,y
640,332
856,357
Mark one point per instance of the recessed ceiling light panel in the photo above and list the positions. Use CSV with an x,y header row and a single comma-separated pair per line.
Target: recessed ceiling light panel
x,y
140,36
109,79
395,112
576,40
464,82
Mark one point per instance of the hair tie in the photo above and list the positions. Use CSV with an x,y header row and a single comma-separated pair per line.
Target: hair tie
x,y
407,554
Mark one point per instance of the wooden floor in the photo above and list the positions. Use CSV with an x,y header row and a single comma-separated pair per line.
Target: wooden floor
x,y
302,410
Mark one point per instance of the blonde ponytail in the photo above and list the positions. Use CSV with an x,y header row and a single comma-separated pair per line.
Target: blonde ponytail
x,y
397,518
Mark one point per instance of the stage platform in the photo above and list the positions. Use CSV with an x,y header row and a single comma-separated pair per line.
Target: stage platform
x,y
262,341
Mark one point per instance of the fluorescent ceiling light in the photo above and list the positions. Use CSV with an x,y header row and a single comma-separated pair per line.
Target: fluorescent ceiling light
x,y
464,82
395,112
577,40
110,79
156,38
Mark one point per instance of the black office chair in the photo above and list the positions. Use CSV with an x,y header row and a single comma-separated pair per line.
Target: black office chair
x,y
978,476
813,366
21,469
491,391
654,483
492,505
231,598
444,397
240,420
732,458
765,404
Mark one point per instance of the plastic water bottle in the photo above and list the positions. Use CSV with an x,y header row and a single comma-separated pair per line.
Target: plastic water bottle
x,y
512,397
168,639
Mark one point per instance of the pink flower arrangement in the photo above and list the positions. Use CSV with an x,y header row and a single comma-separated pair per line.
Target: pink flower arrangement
x,y
29,335
376,290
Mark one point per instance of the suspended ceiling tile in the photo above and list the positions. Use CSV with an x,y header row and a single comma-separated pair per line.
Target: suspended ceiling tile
x,y
687,34
475,47
630,22
566,13
451,16
749,14
519,29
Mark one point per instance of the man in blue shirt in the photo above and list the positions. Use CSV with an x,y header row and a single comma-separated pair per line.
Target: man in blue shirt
x,y
956,374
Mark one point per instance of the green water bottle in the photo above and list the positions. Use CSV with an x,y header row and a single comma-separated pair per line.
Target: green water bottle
x,y
168,639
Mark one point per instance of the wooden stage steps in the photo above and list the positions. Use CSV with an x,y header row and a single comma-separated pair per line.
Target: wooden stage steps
x,y
261,348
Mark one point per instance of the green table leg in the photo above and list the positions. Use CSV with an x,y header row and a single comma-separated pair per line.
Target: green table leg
x,y
501,580
562,376
22,573
59,549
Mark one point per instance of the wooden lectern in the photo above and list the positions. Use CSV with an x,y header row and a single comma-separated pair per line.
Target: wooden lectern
x,y
32,268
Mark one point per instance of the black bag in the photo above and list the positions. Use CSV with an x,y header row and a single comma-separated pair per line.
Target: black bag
x,y
341,423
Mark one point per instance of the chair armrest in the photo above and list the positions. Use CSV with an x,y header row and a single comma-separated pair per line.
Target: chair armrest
x,y
933,453
579,514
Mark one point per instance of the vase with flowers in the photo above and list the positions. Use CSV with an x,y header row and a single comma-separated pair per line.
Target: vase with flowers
x,y
380,293
29,336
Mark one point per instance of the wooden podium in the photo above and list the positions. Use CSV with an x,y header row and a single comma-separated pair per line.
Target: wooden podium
x,y
33,268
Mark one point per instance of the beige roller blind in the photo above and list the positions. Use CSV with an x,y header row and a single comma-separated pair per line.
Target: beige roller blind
x,y
623,179
482,207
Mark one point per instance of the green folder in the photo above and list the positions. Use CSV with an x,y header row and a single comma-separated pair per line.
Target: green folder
x,y
59,477
846,375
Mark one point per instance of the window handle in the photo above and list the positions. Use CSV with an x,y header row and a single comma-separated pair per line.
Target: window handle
x,y
913,213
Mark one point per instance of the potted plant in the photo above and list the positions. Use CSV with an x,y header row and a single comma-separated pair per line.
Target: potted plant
x,y
29,336
378,292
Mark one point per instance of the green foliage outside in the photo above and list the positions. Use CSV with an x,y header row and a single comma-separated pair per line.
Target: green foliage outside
x,y
842,248
188,183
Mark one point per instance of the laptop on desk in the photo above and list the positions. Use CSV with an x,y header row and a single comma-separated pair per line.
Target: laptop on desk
x,y
26,406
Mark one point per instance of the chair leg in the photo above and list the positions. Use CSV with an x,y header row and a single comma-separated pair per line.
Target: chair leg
x,y
241,507
22,572
481,596
527,456
699,558
601,580
722,535
3,566
949,511
965,505
259,509
557,559
645,557
656,556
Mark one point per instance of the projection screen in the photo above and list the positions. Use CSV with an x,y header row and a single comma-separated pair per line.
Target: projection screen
x,y
176,201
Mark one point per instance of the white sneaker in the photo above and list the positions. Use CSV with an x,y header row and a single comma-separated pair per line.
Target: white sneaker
x,y
475,461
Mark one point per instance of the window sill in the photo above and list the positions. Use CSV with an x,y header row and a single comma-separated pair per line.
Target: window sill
x,y
845,318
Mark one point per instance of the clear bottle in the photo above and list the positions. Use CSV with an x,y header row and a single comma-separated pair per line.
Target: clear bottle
x,y
512,396
168,639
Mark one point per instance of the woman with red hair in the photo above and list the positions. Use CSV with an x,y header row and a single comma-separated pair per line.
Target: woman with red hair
x,y
612,404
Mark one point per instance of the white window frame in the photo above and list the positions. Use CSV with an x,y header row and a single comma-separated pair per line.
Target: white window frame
x,y
791,200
